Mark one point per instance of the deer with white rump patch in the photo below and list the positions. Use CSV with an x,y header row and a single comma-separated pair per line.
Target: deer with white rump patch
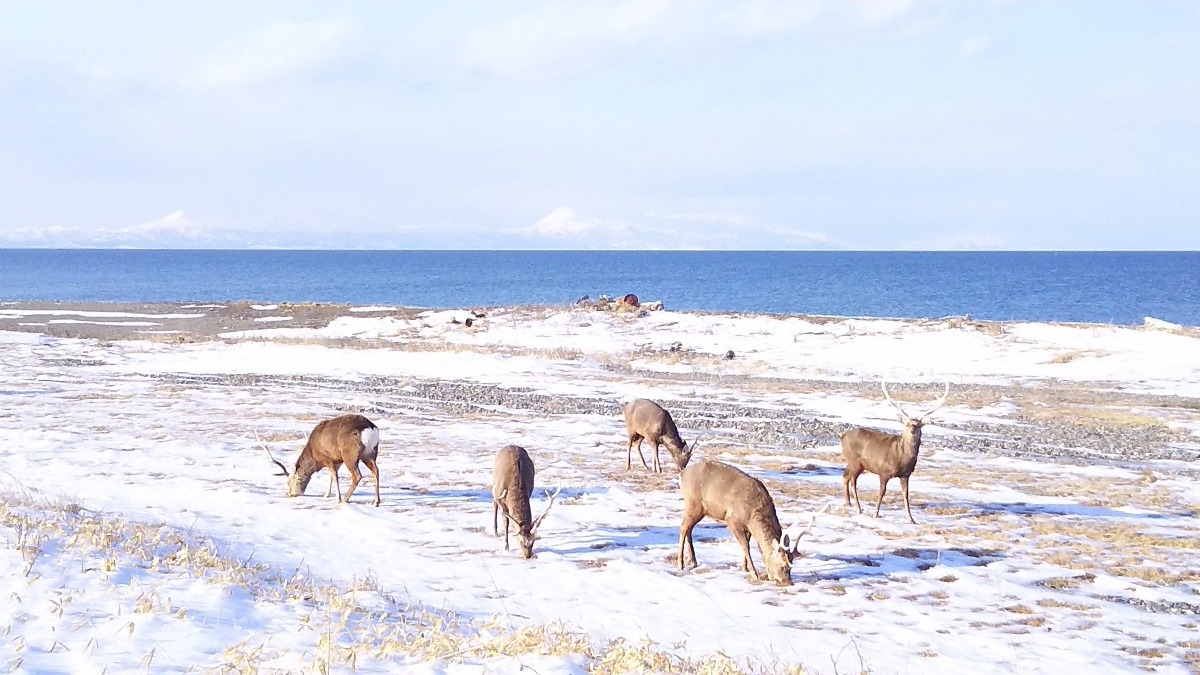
x,y
645,419
730,495
347,440
512,486
886,455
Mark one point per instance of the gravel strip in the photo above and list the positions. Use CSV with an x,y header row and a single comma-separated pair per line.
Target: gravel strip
x,y
782,426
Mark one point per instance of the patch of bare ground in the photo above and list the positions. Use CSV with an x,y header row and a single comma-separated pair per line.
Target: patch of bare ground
x,y
1141,491
810,493
1092,406
638,479
1099,416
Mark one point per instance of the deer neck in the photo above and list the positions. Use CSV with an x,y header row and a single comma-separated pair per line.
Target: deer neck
x,y
909,443
764,527
520,512
306,466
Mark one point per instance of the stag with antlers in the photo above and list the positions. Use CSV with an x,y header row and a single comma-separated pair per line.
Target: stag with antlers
x,y
512,486
886,455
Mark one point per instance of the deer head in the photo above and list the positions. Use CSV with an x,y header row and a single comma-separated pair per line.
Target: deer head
x,y
526,537
297,482
912,425
780,557
685,454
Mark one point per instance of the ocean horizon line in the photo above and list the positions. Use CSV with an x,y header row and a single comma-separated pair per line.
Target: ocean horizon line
x,y
598,250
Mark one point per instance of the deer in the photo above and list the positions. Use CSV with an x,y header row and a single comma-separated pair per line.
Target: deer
x,y
347,439
645,419
731,496
884,454
512,486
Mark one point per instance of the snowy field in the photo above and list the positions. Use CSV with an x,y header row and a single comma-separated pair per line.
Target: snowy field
x,y
145,528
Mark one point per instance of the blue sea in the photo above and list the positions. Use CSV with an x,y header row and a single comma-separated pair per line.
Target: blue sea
x,y
1094,287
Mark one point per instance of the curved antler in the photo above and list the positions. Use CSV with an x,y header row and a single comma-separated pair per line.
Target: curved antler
x,y
545,513
285,473
895,405
938,404
794,542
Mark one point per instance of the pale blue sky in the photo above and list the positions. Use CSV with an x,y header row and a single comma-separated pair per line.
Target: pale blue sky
x,y
768,125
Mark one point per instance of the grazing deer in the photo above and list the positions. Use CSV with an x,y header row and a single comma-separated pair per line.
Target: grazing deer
x,y
342,440
512,486
645,419
886,455
728,494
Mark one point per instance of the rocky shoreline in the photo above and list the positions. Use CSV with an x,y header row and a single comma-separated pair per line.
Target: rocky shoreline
x,y
1061,436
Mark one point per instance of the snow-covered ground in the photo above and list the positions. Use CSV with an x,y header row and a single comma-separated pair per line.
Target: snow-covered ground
x,y
1015,565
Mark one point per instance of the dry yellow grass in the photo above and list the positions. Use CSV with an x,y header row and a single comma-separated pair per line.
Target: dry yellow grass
x,y
1115,535
1139,490
1095,415
348,632
1055,603
1155,574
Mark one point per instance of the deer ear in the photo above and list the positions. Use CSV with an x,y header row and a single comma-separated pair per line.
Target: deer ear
x,y
790,540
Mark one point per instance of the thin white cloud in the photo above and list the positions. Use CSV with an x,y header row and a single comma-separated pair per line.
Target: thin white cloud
x,y
883,11
559,35
676,231
177,230
974,45
710,218
959,242
275,52
767,18
563,36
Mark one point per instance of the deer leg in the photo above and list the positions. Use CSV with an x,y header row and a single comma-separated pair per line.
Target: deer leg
x,y
846,484
374,471
334,479
882,491
852,482
685,537
657,465
495,514
904,491
640,455
507,519
355,477
743,539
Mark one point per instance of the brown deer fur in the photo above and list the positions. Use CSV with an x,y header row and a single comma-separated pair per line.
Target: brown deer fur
x,y
886,455
728,494
645,419
512,486
342,440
